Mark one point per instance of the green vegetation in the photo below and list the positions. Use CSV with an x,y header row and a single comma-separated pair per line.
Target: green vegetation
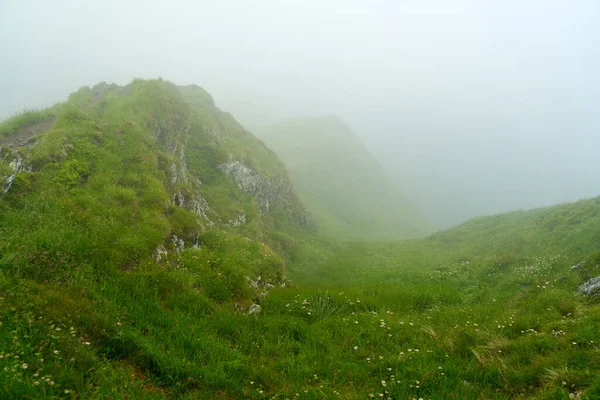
x,y
341,182
147,225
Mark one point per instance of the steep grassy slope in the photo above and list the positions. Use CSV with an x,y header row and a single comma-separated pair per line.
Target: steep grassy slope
x,y
342,183
139,209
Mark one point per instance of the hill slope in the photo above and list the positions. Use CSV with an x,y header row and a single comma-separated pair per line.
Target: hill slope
x,y
142,242
491,309
341,183
126,212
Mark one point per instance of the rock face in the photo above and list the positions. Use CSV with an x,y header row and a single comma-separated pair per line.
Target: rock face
x,y
271,194
17,165
591,287
251,183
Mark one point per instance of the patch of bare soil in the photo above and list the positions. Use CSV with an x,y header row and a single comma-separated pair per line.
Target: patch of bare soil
x,y
25,135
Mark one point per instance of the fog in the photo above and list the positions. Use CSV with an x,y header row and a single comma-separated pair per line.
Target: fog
x,y
473,107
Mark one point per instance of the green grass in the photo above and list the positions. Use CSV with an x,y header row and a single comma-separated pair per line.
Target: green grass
x,y
485,310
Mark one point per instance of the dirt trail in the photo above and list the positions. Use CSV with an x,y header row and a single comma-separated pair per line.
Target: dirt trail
x,y
25,134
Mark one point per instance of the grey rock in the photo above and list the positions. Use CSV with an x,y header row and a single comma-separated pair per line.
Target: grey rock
x,y
199,206
256,284
238,221
183,168
171,146
578,266
18,165
254,309
591,287
160,253
270,194
178,243
8,183
251,183
174,173
179,199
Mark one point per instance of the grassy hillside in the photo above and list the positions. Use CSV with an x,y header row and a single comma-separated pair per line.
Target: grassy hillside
x,y
143,235
485,310
137,210
341,182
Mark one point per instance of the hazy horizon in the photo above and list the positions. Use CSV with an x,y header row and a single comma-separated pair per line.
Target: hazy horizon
x,y
472,108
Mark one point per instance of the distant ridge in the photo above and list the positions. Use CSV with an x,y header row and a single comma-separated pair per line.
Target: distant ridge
x,y
341,182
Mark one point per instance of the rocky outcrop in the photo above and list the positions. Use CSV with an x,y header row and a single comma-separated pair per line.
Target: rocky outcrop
x,y
238,221
270,194
17,165
160,253
591,287
251,183
178,244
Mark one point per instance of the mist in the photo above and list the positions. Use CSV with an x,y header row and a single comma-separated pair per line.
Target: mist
x,y
471,107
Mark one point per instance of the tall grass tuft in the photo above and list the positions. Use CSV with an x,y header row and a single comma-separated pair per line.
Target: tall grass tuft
x,y
322,306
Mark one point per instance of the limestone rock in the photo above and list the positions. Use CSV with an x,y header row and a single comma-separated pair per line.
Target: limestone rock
x,y
178,243
160,253
18,165
254,309
238,221
591,287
